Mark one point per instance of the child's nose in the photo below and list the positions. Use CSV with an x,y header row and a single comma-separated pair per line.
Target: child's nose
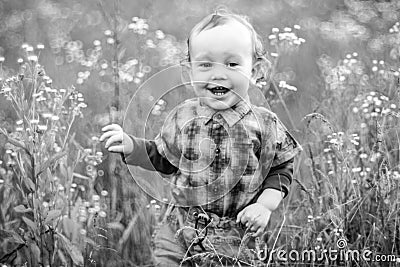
x,y
219,74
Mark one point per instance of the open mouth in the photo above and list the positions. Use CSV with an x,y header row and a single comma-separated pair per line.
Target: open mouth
x,y
219,90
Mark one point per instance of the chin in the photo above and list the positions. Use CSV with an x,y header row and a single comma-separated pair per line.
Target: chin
x,y
217,104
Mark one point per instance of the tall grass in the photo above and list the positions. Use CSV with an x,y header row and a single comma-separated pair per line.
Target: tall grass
x,y
65,202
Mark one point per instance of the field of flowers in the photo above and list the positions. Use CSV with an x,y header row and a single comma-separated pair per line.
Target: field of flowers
x,y
67,68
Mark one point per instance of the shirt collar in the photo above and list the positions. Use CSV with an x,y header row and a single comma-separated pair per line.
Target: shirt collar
x,y
231,115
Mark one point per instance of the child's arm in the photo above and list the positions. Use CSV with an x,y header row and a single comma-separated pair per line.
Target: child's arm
x,y
145,154
256,216
135,151
276,183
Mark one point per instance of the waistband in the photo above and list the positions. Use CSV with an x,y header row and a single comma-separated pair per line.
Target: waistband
x,y
197,216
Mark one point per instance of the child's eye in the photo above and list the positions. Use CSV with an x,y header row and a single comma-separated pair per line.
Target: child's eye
x,y
232,64
205,65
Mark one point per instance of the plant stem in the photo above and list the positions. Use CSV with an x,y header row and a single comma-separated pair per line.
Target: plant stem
x,y
69,129
49,252
284,105
271,80
41,239
33,174
116,59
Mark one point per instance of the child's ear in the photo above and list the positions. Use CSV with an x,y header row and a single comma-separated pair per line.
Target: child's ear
x,y
261,70
257,71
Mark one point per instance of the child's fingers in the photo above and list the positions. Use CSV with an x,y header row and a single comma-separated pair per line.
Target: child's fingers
x,y
259,232
106,135
117,149
113,139
245,218
254,227
254,224
239,216
111,127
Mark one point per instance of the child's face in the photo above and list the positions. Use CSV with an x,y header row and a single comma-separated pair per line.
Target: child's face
x,y
221,64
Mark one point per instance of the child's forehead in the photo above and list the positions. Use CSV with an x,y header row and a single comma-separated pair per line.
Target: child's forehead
x,y
228,26
227,38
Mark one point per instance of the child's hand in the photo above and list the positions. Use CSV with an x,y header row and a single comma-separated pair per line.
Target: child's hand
x,y
255,217
122,142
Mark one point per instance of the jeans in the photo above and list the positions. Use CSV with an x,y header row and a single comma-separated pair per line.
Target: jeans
x,y
180,241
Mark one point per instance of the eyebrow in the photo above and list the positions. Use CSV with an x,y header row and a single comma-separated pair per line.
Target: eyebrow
x,y
206,54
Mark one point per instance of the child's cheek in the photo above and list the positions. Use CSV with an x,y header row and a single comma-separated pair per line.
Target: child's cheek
x,y
199,91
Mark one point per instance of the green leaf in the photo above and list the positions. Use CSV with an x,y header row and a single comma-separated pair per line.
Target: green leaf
x,y
51,161
70,226
5,234
3,131
11,236
90,241
35,251
16,143
10,256
36,204
26,105
19,188
70,173
116,225
30,223
48,173
29,184
72,250
121,54
52,215
62,257
63,170
22,209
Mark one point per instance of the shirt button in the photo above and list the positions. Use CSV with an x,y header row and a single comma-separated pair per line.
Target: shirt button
x,y
216,189
217,150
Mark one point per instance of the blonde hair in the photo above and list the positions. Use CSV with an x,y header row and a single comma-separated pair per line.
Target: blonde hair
x,y
222,16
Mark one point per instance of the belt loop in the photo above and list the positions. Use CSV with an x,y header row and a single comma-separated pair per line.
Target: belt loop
x,y
180,214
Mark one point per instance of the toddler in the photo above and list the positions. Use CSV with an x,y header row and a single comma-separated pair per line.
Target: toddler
x,y
231,162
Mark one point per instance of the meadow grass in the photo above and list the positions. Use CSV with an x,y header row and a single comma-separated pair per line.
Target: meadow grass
x,y
81,207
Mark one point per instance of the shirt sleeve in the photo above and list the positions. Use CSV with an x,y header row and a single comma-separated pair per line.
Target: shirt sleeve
x,y
286,146
161,154
280,173
168,139
154,160
280,177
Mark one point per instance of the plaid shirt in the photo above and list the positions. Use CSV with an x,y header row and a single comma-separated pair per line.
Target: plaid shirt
x,y
220,159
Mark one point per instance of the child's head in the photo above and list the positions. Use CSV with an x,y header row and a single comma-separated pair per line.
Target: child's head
x,y
225,53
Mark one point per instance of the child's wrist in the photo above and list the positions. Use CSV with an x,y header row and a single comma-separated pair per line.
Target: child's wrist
x,y
264,206
270,198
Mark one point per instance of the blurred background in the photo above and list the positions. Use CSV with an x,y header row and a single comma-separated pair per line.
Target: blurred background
x,y
333,61
69,29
